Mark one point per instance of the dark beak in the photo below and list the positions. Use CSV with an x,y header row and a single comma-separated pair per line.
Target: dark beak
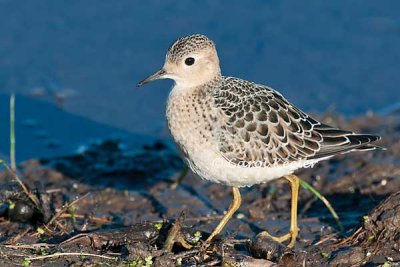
x,y
158,75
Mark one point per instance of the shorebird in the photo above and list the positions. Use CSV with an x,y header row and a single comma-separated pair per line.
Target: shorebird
x,y
240,133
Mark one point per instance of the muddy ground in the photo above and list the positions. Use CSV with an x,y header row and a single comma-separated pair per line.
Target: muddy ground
x,y
107,206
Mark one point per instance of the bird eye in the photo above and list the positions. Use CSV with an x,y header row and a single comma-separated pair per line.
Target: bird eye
x,y
189,61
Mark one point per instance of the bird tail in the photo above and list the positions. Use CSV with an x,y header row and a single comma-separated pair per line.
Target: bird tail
x,y
336,141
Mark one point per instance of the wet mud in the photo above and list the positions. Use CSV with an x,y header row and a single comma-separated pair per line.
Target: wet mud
x,y
108,206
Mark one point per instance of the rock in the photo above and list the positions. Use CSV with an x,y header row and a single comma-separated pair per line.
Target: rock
x,y
240,260
353,256
265,248
384,220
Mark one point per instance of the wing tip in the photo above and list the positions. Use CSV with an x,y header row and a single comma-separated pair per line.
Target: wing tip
x,y
355,142
360,139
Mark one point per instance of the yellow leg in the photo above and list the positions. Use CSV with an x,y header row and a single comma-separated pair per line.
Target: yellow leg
x,y
294,229
292,235
237,200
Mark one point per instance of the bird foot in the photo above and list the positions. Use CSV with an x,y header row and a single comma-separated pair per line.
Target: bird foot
x,y
289,236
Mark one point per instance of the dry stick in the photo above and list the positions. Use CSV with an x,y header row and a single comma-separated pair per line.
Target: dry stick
x,y
205,218
185,253
327,238
12,133
200,218
324,200
90,218
74,238
31,196
69,254
353,237
31,246
18,236
63,210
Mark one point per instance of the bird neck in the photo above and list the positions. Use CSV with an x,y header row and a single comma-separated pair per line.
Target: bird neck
x,y
213,82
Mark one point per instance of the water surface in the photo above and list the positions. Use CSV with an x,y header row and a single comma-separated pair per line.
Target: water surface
x,y
339,54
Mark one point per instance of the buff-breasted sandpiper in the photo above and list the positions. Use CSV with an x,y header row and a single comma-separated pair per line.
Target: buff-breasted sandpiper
x,y
240,133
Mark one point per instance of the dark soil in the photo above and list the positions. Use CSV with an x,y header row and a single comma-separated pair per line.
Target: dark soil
x,y
116,207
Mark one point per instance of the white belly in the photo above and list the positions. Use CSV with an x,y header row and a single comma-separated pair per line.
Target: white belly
x,y
211,166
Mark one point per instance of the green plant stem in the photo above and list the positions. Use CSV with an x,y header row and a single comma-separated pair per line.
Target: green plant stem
x,y
314,191
12,133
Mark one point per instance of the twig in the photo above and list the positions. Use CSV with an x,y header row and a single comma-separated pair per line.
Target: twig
x,y
74,238
185,253
63,210
19,236
204,218
12,132
31,196
354,236
90,218
69,254
325,201
61,227
31,246
325,239
197,219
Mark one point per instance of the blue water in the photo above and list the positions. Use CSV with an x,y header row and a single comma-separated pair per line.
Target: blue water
x,y
320,54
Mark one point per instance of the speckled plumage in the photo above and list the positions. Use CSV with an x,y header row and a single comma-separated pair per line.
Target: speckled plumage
x,y
187,45
241,133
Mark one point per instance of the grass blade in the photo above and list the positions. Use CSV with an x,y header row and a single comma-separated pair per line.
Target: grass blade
x,y
12,133
314,191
